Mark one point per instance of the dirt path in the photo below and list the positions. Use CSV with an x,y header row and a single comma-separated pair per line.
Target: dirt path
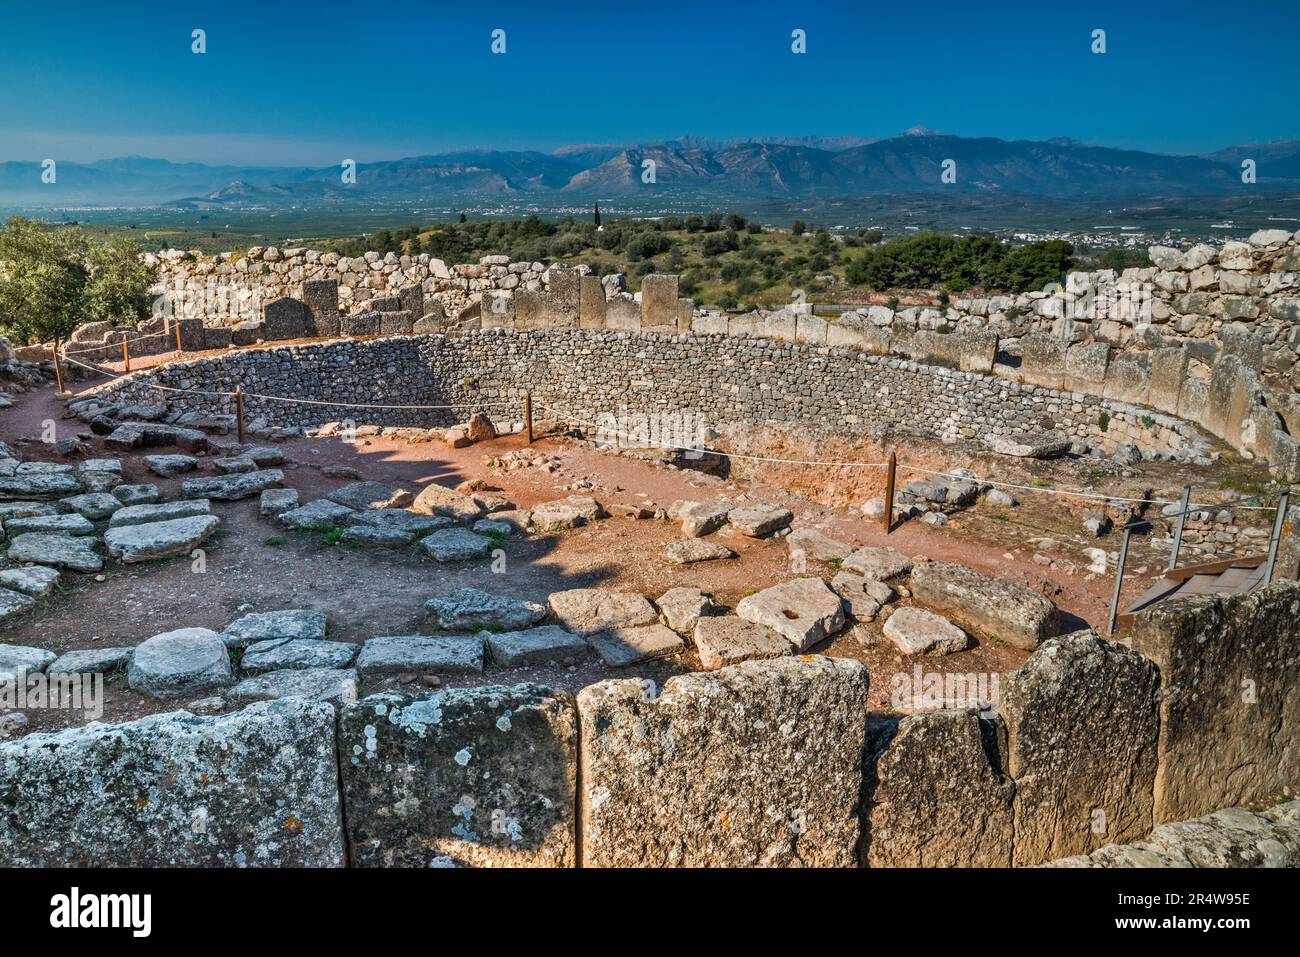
x,y
255,565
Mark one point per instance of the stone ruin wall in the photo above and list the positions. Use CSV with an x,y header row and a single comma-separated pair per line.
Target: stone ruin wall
x,y
1207,335
774,762
728,381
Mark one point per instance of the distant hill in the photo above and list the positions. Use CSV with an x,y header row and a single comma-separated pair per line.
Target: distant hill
x,y
695,169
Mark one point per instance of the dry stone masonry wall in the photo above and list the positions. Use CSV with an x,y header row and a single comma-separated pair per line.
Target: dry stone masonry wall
x,y
1206,335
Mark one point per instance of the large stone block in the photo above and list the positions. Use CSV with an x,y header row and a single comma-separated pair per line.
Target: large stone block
x,y
1128,378
285,319
758,764
256,788
1042,360
1085,367
659,304
562,298
623,314
412,300
1168,372
935,794
1230,694
999,607
1234,389
530,310
474,776
321,297
591,303
1082,728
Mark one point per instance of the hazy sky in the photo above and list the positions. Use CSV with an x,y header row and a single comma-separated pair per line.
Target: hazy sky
x,y
312,83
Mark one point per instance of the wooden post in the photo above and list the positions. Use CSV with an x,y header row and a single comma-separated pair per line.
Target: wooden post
x,y
176,324
239,411
126,356
890,472
528,415
58,367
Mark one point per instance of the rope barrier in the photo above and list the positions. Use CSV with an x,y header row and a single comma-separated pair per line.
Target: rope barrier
x,y
117,344
347,405
1093,496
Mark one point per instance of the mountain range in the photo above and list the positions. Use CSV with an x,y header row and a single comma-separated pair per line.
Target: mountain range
x,y
691,169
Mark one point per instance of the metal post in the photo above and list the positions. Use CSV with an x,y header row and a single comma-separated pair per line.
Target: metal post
x,y
890,472
1178,532
239,412
1119,581
528,416
1278,521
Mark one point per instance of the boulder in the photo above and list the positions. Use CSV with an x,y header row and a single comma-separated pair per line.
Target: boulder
x,y
179,663
455,545
571,512
864,595
702,518
688,551
757,521
730,640
258,787
620,647
439,500
164,512
916,631
68,524
921,810
277,501
58,551
169,466
400,520
758,764
93,506
91,661
586,611
543,645
999,607
16,658
681,608
1091,786
479,428
38,487
278,654
316,514
144,543
879,562
34,580
130,495
333,686
481,777
471,609
13,603
817,545
804,610
362,495
444,654
231,488
289,623
371,536
1034,445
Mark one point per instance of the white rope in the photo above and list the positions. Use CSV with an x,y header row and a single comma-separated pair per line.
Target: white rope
x,y
348,405
116,345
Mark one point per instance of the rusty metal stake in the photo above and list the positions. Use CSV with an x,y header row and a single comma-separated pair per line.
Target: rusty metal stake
x,y
888,517
528,416
239,411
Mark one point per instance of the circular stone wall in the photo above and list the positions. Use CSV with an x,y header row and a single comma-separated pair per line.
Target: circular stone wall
x,y
723,379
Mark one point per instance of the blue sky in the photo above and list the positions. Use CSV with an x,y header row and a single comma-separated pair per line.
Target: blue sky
x,y
310,83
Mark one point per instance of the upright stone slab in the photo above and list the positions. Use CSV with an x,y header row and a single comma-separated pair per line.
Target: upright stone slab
x,y
256,788
285,319
321,297
758,764
475,776
561,300
530,312
1128,378
591,303
1042,360
935,794
622,314
1230,694
412,300
659,304
999,607
1082,729
1168,372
